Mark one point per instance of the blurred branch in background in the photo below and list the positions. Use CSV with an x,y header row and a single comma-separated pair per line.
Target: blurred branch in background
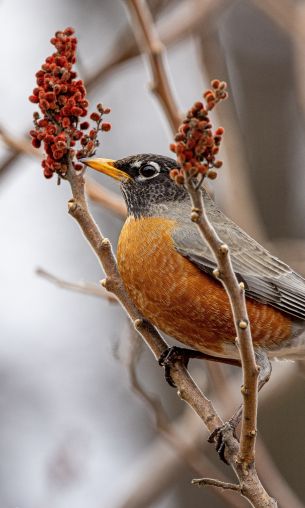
x,y
94,190
105,198
298,54
160,85
185,17
88,288
283,14
20,146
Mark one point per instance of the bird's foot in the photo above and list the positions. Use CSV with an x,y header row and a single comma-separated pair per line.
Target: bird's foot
x,y
174,354
220,436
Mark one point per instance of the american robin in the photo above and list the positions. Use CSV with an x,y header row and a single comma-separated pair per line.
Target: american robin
x,y
167,269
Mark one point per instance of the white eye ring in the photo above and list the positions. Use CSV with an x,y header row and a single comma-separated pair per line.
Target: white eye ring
x,y
148,170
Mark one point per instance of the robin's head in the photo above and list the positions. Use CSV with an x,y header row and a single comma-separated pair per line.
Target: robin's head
x,y
145,181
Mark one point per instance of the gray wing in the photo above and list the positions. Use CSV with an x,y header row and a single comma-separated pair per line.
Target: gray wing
x,y
267,279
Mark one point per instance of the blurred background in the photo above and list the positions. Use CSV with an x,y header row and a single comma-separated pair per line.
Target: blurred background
x,y
73,431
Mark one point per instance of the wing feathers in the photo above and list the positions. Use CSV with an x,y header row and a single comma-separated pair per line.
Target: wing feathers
x,y
267,279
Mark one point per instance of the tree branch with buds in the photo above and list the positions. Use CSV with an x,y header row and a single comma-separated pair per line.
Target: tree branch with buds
x,y
196,148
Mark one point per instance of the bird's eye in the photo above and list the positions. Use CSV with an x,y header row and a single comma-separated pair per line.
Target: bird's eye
x,y
148,171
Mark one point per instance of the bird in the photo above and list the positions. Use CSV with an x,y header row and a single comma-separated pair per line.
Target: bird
x,y
167,269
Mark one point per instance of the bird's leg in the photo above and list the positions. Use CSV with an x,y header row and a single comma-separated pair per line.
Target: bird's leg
x,y
174,354
218,435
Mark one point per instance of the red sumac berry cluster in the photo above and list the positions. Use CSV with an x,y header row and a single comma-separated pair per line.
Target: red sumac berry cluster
x,y
62,101
196,145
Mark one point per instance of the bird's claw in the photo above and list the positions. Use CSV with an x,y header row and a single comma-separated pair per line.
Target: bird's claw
x,y
170,356
219,436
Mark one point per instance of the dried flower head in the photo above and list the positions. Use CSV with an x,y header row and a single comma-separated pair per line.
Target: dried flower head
x,y
196,146
62,101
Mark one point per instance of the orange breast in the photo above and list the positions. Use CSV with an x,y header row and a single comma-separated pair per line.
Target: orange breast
x,y
180,299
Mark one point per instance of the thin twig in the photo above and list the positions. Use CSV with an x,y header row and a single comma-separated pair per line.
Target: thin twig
x,y
131,361
236,294
87,288
210,482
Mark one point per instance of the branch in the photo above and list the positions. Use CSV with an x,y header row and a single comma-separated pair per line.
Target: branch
x,y
204,482
236,294
81,287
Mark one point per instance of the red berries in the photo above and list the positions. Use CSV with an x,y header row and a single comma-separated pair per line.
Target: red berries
x,y
84,125
95,117
106,126
62,102
195,144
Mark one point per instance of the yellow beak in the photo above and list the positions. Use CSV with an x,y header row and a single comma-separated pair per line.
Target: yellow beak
x,y
106,166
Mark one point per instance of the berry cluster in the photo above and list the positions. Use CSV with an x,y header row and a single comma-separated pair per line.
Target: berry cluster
x,y
196,146
62,102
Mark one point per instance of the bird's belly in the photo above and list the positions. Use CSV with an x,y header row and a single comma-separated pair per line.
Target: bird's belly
x,y
183,301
